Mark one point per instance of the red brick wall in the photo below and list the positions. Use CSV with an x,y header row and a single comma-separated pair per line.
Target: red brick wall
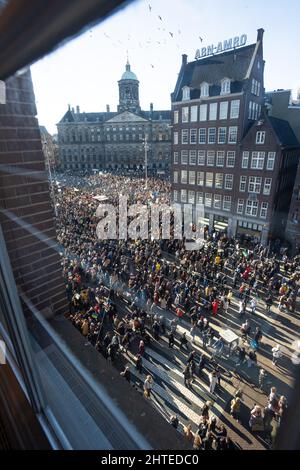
x,y
35,264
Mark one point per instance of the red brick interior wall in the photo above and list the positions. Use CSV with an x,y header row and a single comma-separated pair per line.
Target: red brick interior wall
x,y
25,194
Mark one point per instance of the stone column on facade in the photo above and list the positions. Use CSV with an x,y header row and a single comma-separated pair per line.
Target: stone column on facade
x,y
211,222
264,235
232,226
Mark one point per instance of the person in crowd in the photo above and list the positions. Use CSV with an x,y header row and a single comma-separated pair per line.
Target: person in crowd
x,y
126,374
235,408
148,384
276,354
213,380
174,421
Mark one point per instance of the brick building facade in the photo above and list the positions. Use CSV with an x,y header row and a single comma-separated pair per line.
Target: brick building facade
x,y
226,152
280,104
26,213
109,140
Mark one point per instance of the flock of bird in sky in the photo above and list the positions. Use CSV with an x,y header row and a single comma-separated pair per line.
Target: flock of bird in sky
x,y
149,40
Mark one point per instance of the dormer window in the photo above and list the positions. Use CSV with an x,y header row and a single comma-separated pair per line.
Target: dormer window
x,y
185,93
225,86
204,89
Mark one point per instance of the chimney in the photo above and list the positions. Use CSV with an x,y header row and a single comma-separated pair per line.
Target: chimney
x,y
107,108
184,59
69,107
77,109
260,33
73,110
151,107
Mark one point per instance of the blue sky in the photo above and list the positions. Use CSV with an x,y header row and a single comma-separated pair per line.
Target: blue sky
x,y
85,71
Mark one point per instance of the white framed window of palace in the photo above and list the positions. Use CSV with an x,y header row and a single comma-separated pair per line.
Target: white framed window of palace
x,y
212,135
208,199
184,176
228,182
225,86
192,177
185,136
175,138
185,114
251,208
209,179
175,177
185,93
183,195
199,197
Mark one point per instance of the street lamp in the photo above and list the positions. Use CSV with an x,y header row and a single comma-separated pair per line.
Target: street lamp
x,y
146,148
46,151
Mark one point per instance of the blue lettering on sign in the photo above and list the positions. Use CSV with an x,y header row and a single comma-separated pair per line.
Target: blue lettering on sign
x,y
222,46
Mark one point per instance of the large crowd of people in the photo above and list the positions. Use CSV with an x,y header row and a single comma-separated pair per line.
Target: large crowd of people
x,y
162,284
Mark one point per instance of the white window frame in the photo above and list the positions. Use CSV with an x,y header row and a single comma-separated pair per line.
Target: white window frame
x,y
219,177
228,182
201,157
260,137
234,109
220,156
209,179
184,176
225,86
210,161
243,183
222,131
230,156
267,186
271,161
203,112
264,210
245,160
217,201
202,133
193,132
192,177
227,201
208,200
200,178
232,131
257,160
185,93
176,117
194,113
192,157
175,194
240,206
213,111
254,184
204,89
184,136
191,196
184,156
176,158
183,195
253,206
199,197
223,110
175,177
175,138
212,132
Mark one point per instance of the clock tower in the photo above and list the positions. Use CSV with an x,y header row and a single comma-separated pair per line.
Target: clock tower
x,y
129,91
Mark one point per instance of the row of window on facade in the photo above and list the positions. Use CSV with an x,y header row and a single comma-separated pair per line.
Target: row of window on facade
x,y
225,89
213,135
212,158
208,112
248,207
223,181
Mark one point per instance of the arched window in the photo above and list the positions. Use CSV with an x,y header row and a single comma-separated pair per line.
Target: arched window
x,y
204,89
185,93
225,86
